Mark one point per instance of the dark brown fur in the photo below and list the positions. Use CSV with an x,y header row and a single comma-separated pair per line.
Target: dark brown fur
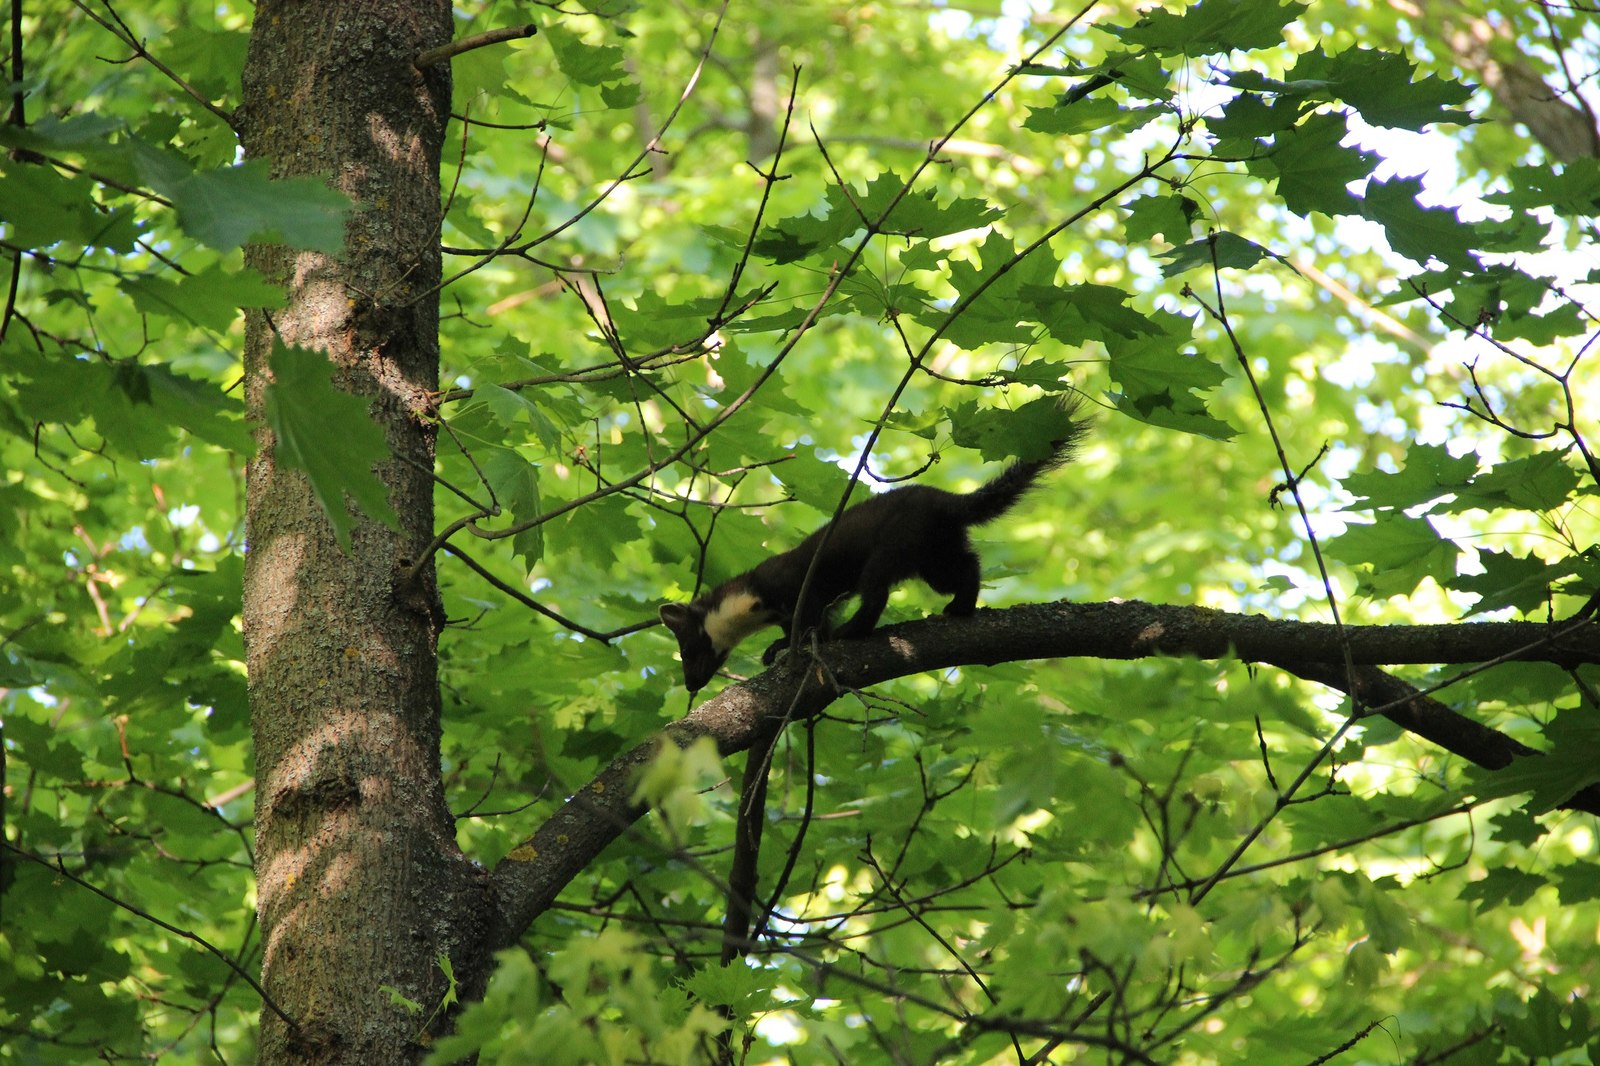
x,y
916,531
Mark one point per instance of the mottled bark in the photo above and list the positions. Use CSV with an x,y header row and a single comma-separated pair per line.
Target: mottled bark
x,y
360,883
1555,115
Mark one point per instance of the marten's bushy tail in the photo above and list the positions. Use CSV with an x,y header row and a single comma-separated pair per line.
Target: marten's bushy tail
x,y
994,499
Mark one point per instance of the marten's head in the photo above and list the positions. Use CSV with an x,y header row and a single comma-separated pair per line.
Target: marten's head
x,y
710,627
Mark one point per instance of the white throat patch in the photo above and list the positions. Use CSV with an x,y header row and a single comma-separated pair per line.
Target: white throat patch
x,y
735,617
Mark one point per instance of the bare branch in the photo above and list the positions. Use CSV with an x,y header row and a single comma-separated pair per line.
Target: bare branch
x,y
477,40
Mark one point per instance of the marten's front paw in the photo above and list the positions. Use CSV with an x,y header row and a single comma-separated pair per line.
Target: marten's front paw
x,y
809,639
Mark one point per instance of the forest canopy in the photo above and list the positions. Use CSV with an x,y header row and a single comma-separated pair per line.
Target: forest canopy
x,y
1273,740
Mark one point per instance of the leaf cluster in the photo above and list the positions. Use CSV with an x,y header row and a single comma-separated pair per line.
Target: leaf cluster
x,y
680,327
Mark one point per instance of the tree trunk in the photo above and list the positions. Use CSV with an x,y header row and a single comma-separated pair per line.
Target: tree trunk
x,y
1556,115
360,883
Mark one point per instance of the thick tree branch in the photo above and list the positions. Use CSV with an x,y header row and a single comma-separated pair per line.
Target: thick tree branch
x,y
531,877
1414,712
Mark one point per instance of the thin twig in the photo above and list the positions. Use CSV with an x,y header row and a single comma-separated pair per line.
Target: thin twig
x,y
58,866
120,30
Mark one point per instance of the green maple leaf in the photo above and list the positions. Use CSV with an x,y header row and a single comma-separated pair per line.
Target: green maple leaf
x,y
228,207
1212,26
211,297
1379,85
1399,551
328,435
584,63
1415,231
1571,188
1219,249
1430,471
1510,580
1313,168
883,202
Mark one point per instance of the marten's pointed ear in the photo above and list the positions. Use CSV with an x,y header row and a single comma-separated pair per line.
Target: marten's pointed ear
x,y
677,616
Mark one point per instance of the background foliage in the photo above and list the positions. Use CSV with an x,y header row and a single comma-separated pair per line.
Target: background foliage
x,y
703,263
